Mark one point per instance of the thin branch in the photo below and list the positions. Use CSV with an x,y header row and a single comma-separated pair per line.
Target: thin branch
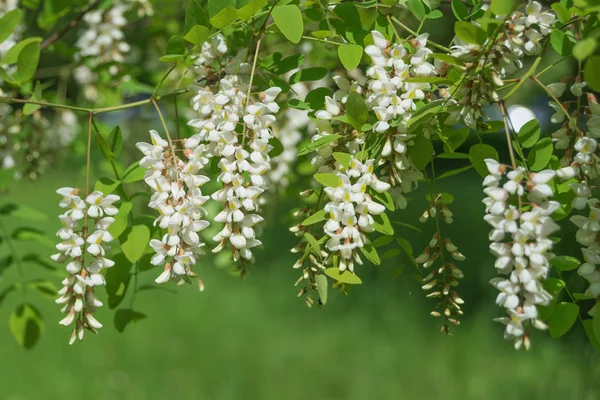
x,y
57,35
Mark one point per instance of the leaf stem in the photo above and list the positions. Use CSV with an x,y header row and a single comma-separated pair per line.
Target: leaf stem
x,y
407,29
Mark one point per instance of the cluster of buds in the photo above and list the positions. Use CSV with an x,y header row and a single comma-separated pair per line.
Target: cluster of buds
x,y
78,241
177,196
520,36
521,244
441,280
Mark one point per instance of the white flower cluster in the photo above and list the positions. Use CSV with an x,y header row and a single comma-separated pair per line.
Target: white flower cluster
x,y
78,291
104,38
243,157
177,196
523,33
520,243
351,211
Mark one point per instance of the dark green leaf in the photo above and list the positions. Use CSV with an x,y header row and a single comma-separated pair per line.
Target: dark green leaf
x,y
562,318
565,263
421,152
308,74
137,240
356,110
540,154
529,133
28,61
117,280
26,325
590,73
478,153
125,316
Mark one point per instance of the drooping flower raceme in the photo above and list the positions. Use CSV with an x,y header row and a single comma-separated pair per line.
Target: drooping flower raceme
x,y
520,243
177,196
84,249
351,211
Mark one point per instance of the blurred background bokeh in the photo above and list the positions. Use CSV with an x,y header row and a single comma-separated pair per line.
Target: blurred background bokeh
x,y
253,338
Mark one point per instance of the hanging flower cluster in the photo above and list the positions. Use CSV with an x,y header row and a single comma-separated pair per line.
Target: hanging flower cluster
x,y
177,196
581,165
440,282
78,241
520,35
351,211
521,244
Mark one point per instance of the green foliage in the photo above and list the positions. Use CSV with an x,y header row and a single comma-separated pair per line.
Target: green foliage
x,y
562,318
478,153
288,19
135,243
529,133
540,154
26,325
350,55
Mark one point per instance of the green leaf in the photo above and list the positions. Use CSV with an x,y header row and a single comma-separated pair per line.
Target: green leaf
x,y
565,263
23,211
33,234
308,74
250,9
327,180
175,50
356,110
382,241
562,318
197,35
27,62
501,7
435,14
12,55
134,173
45,288
478,153
321,281
312,242
9,22
121,219
316,98
117,280
453,156
125,316
417,8
350,55
316,217
224,18
115,140
382,224
344,277
26,325
454,172
342,158
590,73
370,252
106,185
137,240
540,154
469,33
562,42
5,263
288,19
590,331
317,144
460,10
195,15
456,137
104,147
386,199
563,14
529,133
585,48
421,152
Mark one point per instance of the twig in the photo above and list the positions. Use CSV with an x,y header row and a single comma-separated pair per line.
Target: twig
x,y
57,35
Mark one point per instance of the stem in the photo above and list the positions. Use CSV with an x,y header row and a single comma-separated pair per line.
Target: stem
x,y
321,40
9,100
165,76
89,156
549,92
164,125
407,29
17,257
509,144
177,120
250,84
57,35
398,38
